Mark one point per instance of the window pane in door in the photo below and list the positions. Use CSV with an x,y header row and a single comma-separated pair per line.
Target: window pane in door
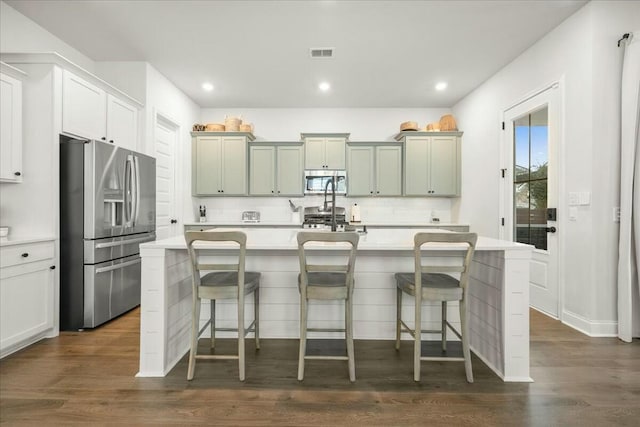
x,y
531,147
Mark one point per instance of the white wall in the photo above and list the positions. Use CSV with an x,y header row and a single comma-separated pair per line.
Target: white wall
x,y
20,34
130,77
582,50
364,124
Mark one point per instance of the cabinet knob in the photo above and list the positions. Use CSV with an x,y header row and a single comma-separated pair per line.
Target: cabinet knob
x,y
271,191
278,191
111,141
24,255
104,138
53,267
173,221
371,192
17,173
377,192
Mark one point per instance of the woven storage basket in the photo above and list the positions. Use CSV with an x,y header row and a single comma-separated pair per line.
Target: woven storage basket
x,y
433,127
408,126
447,123
215,127
246,127
232,124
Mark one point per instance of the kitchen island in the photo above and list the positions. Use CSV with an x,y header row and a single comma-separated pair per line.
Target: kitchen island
x,y
499,295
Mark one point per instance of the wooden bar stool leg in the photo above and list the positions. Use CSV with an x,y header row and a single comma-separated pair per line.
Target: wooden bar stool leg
x,y
256,316
417,344
349,335
398,316
213,323
195,329
241,332
303,337
464,331
444,326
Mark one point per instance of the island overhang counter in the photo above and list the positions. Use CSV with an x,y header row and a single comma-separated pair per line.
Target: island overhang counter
x,y
498,303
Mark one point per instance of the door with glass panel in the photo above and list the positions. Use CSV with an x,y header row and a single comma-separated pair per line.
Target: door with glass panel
x,y
530,187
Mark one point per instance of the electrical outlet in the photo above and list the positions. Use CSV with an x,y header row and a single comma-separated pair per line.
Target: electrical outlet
x,y
616,214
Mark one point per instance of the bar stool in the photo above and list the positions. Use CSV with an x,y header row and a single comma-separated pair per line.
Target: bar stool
x,y
437,286
326,282
222,281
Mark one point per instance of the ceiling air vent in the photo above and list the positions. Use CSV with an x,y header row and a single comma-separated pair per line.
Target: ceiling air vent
x,y
321,52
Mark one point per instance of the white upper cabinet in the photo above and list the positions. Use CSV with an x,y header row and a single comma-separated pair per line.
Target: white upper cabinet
x,y
10,129
89,112
122,123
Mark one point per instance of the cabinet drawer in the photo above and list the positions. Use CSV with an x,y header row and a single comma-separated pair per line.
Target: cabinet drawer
x,y
23,254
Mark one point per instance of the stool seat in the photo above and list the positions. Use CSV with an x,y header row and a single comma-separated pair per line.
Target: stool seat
x,y
326,285
212,285
435,286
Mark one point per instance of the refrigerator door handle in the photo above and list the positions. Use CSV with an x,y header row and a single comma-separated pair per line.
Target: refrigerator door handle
x,y
118,266
147,238
136,189
128,191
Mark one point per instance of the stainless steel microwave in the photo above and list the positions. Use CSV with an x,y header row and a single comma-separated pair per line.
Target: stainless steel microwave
x,y
315,181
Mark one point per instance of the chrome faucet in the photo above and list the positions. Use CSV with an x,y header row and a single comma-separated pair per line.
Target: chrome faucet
x,y
334,225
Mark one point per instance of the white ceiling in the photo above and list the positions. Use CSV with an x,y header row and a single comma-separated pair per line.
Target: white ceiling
x,y
256,53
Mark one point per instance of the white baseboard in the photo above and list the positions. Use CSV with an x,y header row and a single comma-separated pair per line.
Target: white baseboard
x,y
592,328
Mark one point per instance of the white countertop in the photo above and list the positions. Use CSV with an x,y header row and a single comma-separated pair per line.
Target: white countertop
x,y
285,239
227,223
21,240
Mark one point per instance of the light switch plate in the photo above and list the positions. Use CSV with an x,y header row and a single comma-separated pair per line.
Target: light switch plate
x,y
573,213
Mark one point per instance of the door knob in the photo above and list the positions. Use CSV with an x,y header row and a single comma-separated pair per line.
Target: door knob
x,y
551,230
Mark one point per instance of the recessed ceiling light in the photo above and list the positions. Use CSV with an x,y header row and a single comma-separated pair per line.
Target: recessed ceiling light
x,y
207,86
441,86
324,86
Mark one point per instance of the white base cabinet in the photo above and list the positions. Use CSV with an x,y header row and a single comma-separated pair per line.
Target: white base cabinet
x,y
26,294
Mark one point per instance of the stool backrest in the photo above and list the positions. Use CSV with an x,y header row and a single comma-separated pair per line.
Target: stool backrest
x,y
305,237
466,242
197,266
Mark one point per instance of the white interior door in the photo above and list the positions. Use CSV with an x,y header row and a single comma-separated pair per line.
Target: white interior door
x,y
165,134
530,188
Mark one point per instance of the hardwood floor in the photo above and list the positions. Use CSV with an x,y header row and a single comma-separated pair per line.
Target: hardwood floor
x,y
88,378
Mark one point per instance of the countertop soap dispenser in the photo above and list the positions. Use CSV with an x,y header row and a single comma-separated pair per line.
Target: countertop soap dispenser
x,y
355,213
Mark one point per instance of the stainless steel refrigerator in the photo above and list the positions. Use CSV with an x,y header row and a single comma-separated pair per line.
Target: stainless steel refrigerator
x,y
107,209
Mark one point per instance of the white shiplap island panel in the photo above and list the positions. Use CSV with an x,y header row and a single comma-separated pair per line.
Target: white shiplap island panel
x,y
499,301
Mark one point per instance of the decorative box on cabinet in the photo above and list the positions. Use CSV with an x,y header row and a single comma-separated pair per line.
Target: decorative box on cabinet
x,y
374,170
90,112
26,294
219,163
431,163
10,124
276,169
325,151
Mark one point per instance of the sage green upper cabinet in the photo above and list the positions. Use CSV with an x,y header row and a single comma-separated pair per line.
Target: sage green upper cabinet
x,y
374,170
325,151
275,170
431,163
88,111
219,164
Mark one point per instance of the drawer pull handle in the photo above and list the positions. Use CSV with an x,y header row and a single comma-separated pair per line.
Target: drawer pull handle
x,y
24,255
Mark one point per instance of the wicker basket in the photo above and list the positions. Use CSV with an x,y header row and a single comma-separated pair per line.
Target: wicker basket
x,y
433,127
246,127
198,127
448,123
232,124
409,126
215,127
